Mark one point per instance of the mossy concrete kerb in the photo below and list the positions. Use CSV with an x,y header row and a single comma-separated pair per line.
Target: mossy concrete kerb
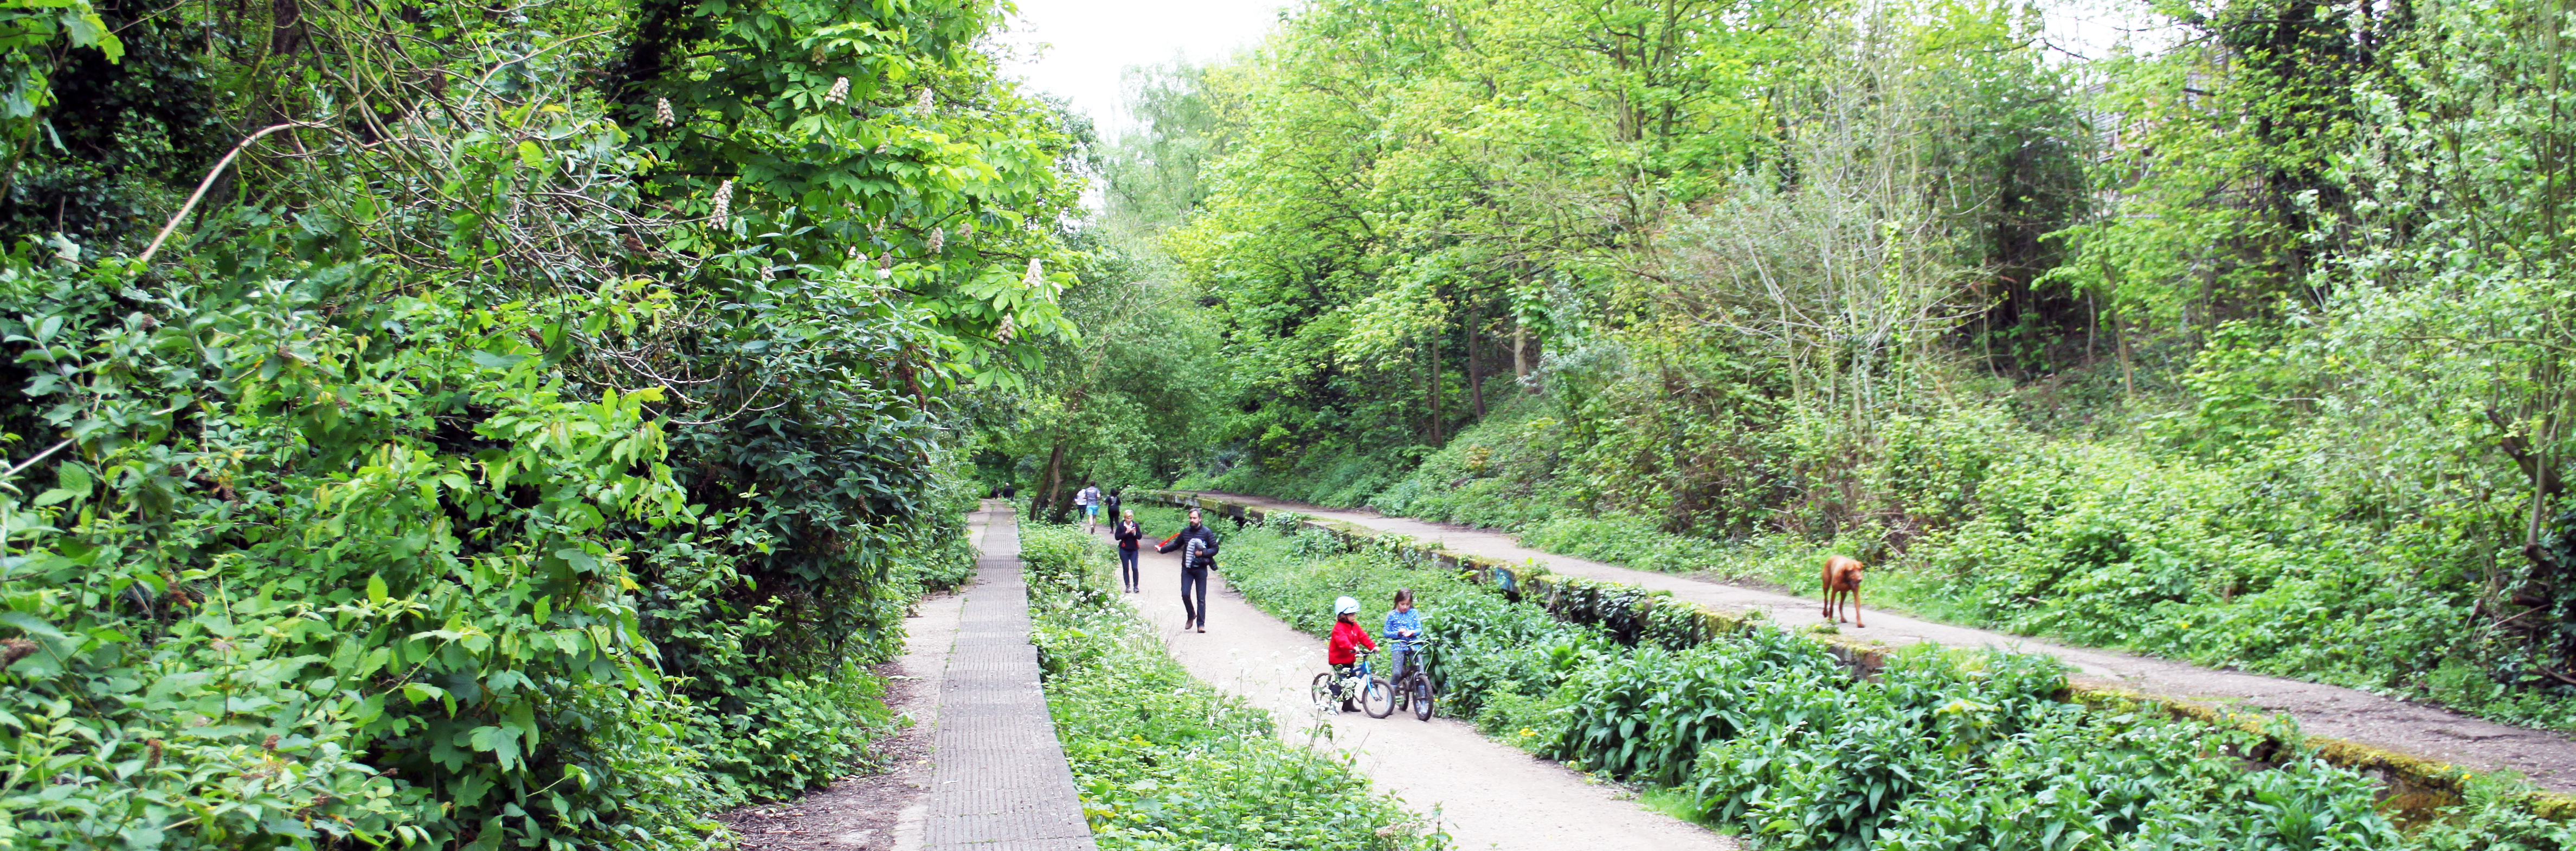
x,y
2415,786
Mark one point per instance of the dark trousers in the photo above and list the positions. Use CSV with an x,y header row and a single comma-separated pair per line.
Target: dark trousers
x,y
1127,568
1194,577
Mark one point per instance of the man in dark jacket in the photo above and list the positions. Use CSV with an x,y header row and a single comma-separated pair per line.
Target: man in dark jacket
x,y
1197,544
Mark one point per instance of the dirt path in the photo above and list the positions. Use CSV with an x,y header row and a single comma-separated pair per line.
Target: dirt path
x,y
2547,759
875,812
1487,795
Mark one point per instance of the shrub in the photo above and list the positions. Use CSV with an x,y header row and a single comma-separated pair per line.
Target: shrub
x,y
380,510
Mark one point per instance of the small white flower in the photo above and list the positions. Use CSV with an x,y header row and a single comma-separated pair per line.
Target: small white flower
x,y
1004,332
724,200
840,91
1036,276
857,255
966,229
883,274
662,112
938,240
923,101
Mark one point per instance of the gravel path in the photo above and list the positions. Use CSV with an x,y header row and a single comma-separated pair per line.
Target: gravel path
x,y
1486,794
2547,759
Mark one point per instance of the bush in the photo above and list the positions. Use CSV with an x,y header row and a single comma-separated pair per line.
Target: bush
x,y
407,496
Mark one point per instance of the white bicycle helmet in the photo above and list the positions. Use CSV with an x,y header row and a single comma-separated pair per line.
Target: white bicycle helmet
x,y
1346,606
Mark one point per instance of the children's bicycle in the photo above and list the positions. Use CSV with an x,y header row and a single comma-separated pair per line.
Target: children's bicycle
x,y
1375,697
1413,683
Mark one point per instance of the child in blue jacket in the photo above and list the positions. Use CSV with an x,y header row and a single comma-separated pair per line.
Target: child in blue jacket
x,y
1403,626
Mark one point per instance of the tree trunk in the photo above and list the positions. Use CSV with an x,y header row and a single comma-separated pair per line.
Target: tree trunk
x,y
1475,381
2120,336
1045,497
2092,323
1434,349
285,27
1520,351
2128,372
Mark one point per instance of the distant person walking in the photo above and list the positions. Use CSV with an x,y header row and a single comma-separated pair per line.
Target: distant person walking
x,y
1088,499
1128,534
1109,505
1197,544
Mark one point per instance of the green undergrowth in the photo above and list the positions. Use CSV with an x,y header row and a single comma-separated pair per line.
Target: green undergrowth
x,y
2244,560
539,470
1165,761
1766,735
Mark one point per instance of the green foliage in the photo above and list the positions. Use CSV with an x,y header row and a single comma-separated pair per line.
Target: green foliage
x,y
1764,732
2247,347
458,475
2065,781
140,132
1165,761
1120,406
2489,820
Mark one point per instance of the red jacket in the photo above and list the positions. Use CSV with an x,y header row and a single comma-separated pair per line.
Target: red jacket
x,y
1346,634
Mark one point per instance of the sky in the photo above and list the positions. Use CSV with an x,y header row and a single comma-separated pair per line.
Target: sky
x,y
1079,49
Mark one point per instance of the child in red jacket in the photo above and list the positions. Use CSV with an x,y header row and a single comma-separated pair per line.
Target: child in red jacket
x,y
1347,634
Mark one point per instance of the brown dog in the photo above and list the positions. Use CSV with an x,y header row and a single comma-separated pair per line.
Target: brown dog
x,y
1842,579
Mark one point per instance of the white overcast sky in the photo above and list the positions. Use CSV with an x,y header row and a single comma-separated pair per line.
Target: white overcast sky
x,y
1078,49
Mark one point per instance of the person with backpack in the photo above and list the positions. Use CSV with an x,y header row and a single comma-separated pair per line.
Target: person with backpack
x,y
1088,499
1197,544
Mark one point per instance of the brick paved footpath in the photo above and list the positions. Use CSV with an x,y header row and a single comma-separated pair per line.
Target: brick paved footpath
x,y
1002,782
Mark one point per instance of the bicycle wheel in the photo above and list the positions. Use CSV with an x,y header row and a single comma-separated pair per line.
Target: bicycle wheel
x,y
1322,693
1420,696
1378,698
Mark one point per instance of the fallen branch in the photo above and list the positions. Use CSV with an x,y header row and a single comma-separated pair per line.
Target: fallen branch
x,y
208,183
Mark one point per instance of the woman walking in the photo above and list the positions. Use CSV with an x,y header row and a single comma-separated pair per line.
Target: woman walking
x,y
1128,533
